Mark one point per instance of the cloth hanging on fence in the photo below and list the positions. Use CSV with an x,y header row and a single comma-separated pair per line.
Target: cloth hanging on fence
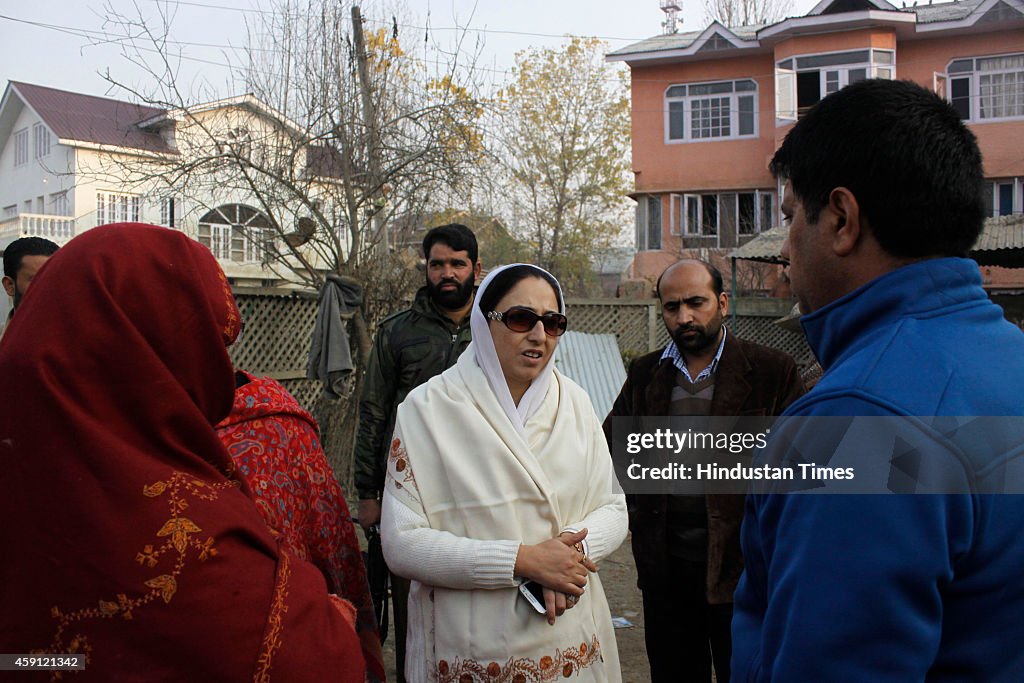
x,y
330,358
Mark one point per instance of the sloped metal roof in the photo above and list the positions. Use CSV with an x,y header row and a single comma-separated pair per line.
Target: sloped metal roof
x,y
97,120
681,41
947,11
593,361
1001,243
925,12
765,247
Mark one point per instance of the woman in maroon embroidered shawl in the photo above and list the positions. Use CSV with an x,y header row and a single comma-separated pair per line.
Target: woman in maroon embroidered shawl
x,y
275,445
126,536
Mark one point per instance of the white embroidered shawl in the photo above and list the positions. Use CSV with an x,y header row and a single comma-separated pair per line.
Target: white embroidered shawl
x,y
458,461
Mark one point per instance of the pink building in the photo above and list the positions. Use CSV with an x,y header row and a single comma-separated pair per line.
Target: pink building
x,y
711,107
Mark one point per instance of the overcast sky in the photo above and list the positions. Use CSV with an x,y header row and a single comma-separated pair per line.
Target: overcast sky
x,y
61,43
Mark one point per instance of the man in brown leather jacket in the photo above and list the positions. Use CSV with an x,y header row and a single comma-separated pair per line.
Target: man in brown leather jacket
x,y
687,548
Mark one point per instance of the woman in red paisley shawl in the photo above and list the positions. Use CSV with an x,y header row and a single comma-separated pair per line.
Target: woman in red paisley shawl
x,y
275,445
127,537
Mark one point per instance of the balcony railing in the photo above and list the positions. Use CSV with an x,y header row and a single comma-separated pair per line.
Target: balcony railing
x,y
56,228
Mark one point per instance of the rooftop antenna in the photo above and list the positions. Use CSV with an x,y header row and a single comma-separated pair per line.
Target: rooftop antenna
x,y
671,23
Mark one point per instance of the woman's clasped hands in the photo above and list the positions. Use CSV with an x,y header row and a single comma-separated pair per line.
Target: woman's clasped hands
x,y
561,567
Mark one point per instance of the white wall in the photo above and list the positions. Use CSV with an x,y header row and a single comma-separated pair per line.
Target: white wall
x,y
39,177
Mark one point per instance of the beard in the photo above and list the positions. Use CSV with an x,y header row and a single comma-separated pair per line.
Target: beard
x,y
452,299
703,337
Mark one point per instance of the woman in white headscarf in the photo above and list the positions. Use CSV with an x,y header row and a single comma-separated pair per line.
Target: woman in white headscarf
x,y
499,474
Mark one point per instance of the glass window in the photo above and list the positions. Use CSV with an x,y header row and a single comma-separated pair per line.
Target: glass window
x,y
747,213
960,66
167,212
113,207
960,90
817,61
708,111
709,205
746,115
727,219
42,140
235,232
816,76
727,215
1005,198
21,147
654,222
676,120
882,56
988,87
711,88
709,118
767,216
692,214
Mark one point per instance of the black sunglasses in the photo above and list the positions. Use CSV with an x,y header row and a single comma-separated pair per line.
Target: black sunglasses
x,y
519,319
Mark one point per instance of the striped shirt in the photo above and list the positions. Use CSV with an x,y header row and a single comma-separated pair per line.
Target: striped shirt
x,y
672,351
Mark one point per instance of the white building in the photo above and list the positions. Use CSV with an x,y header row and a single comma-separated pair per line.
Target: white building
x,y
70,162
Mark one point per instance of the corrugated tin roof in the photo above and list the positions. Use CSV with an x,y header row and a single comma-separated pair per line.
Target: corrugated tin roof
x,y
593,361
764,247
98,120
1001,243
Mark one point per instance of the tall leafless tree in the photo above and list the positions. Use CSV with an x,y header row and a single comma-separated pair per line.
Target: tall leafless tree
x,y
336,163
734,13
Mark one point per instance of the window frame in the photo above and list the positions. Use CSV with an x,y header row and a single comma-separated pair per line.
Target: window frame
x,y
993,200
693,226
169,211
647,225
117,207
881,63
238,238
972,79
41,141
21,147
674,105
61,203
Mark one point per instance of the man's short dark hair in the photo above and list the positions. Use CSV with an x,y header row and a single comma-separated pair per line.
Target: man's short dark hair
x,y
904,153
717,284
22,247
457,237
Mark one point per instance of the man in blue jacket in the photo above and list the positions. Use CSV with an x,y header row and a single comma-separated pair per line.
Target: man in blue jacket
x,y
883,197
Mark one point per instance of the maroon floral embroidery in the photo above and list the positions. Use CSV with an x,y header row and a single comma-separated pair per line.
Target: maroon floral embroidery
x,y
400,462
563,664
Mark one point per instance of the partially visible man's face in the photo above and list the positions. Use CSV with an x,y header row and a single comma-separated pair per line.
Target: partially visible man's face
x,y
805,252
691,310
450,276
17,286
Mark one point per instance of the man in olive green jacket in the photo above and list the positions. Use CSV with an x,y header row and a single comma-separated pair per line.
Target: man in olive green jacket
x,y
409,348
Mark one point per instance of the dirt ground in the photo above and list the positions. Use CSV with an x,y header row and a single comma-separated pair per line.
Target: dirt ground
x,y
618,574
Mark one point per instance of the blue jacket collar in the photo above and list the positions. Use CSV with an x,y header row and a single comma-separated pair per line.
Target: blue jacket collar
x,y
913,290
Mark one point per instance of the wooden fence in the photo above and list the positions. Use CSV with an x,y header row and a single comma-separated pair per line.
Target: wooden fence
x,y
278,327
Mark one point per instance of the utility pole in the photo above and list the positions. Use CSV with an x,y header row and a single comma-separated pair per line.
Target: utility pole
x,y
375,182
